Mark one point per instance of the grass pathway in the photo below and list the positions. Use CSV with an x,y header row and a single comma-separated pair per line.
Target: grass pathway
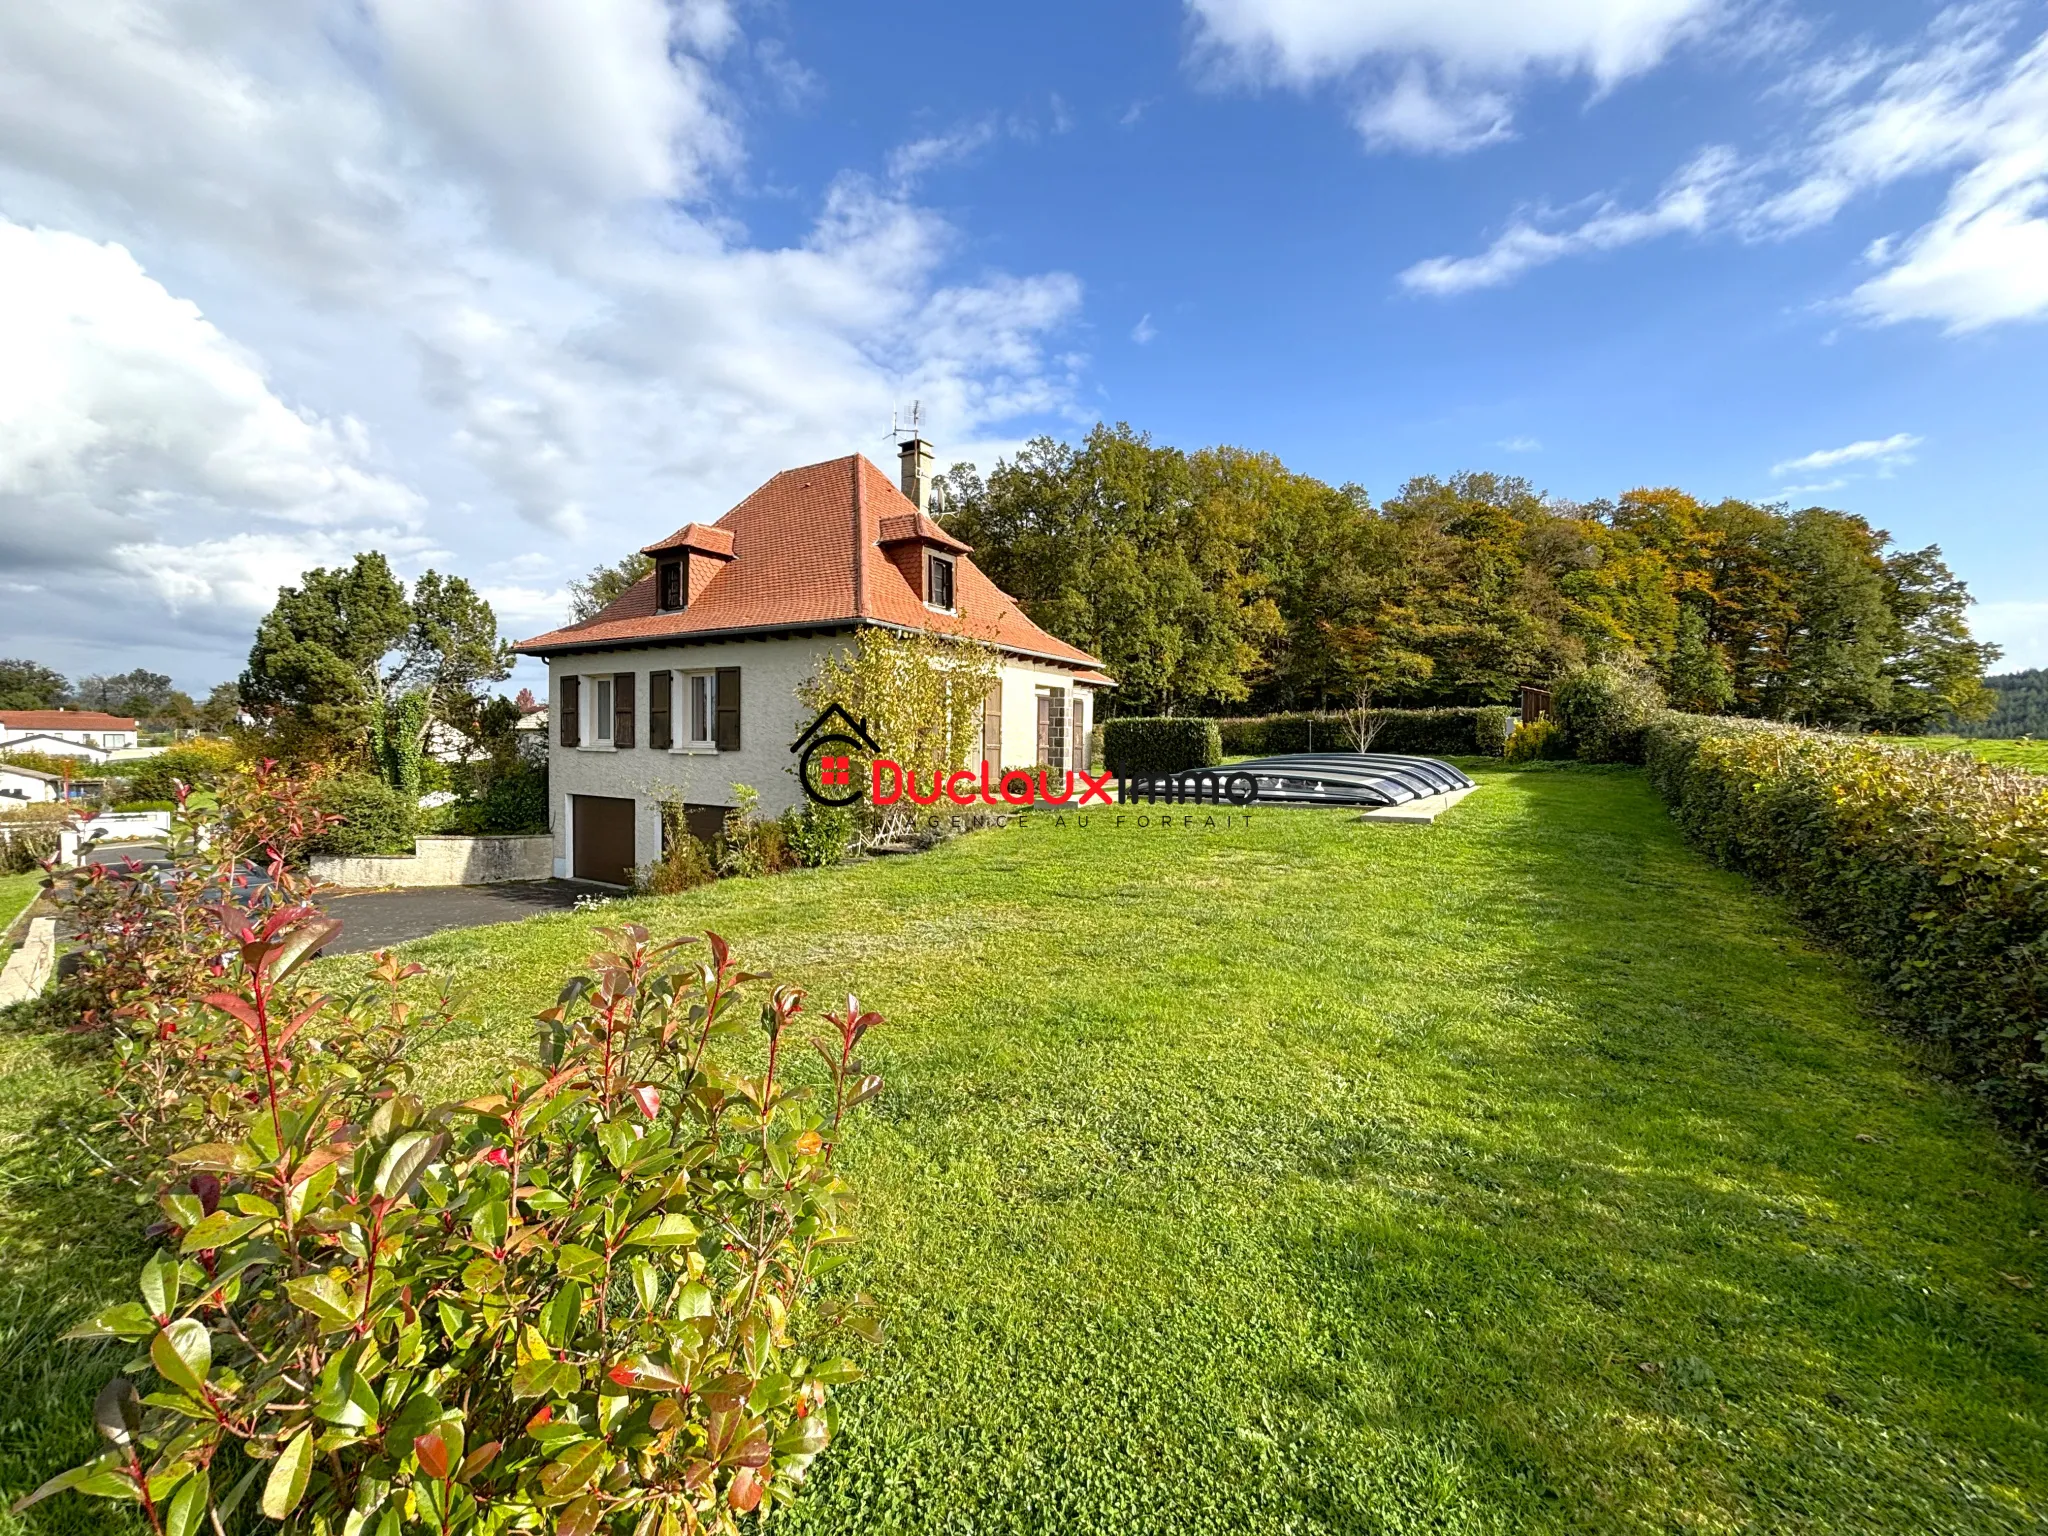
x,y
1520,1173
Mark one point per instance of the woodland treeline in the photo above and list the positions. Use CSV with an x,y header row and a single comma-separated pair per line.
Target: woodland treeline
x,y
2022,707
1220,581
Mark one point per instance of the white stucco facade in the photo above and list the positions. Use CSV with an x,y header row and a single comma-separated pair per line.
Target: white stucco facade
x,y
771,670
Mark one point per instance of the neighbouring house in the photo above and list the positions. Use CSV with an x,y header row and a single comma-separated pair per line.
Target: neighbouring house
x,y
27,786
66,733
687,684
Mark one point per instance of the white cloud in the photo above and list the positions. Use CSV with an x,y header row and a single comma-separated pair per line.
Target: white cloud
x,y
1520,445
1302,41
1896,449
1415,115
1961,101
452,281
1439,75
1688,204
910,161
1143,332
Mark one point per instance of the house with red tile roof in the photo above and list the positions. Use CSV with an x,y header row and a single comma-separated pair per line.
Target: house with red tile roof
x,y
84,733
687,683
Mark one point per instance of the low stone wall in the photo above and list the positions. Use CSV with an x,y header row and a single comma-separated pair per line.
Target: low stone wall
x,y
445,861
28,968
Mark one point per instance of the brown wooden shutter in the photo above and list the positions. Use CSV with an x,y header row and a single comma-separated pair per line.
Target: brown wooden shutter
x,y
660,694
1077,744
572,711
725,730
622,709
992,725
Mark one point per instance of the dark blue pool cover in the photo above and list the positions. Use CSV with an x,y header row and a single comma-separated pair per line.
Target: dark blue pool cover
x,y
1370,779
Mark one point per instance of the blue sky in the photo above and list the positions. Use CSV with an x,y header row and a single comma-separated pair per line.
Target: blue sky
x,y
512,291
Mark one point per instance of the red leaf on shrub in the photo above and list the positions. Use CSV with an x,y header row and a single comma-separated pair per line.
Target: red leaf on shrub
x,y
432,1451
207,1188
546,1415
648,1097
745,1492
498,1157
622,1374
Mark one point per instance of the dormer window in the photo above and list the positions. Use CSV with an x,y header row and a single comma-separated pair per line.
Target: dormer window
x,y
668,586
938,581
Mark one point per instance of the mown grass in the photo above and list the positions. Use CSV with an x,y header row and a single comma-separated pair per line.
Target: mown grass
x,y
1518,1173
2022,753
17,892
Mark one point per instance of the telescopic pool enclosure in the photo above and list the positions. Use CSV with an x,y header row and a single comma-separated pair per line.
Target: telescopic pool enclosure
x,y
1366,780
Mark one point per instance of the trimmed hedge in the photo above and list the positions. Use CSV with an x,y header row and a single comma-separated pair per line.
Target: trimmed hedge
x,y
1143,746
1930,868
375,818
1456,732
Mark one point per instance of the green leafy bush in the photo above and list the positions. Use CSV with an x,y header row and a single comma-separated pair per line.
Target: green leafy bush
x,y
146,805
752,844
1605,710
196,765
1534,739
1930,868
820,835
1448,732
370,817
1490,723
581,1304
1144,746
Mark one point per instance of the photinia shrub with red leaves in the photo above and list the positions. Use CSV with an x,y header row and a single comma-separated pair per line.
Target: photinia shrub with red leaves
x,y
584,1303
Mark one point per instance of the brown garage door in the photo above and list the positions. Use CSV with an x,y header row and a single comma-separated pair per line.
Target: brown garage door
x,y
603,834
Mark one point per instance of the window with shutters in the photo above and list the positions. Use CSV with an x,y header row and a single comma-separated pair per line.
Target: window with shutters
x,y
992,725
1052,727
660,693
601,711
700,708
572,711
1080,735
938,581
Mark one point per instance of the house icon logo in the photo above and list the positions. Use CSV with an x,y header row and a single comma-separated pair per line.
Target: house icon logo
x,y
825,753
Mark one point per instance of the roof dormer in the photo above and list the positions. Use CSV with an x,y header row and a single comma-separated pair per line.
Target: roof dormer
x,y
685,562
927,556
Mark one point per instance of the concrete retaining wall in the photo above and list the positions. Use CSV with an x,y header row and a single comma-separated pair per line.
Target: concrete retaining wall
x,y
29,967
445,861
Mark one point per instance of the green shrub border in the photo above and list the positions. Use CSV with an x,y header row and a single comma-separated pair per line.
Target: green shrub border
x,y
1458,731
1929,868
1142,746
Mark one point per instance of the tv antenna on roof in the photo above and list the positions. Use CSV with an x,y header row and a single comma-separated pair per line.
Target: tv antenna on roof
x,y
898,431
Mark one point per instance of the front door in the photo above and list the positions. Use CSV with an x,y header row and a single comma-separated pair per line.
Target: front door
x,y
602,830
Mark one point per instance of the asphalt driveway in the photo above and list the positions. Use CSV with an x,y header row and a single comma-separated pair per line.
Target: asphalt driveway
x,y
377,919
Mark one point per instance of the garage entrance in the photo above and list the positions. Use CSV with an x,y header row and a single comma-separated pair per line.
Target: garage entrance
x,y
601,831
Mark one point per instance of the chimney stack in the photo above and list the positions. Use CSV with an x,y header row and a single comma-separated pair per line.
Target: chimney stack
x,y
917,473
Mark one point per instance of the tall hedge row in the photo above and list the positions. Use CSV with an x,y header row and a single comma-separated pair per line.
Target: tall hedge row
x,y
1930,868
1425,732
1142,746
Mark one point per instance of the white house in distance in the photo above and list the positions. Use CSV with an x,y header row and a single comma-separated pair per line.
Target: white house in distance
x,y
81,733
26,786
687,683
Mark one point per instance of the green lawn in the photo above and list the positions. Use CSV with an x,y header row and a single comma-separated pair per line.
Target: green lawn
x,y
1522,1173
2025,753
16,892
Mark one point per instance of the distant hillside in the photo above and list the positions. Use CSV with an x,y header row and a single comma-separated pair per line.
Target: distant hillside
x,y
2022,706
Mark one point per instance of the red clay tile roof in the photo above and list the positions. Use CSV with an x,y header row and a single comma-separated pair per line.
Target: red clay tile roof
x,y
1099,679
62,720
806,551
900,530
714,541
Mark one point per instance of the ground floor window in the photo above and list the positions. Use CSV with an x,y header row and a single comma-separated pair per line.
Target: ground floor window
x,y
1052,727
